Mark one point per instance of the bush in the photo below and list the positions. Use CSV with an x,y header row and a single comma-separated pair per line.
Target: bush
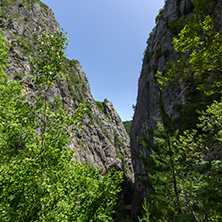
x,y
159,16
21,4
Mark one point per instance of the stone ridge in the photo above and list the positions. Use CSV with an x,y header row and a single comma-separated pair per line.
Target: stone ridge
x,y
103,140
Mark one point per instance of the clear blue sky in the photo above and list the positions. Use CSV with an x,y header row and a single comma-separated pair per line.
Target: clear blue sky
x,y
108,38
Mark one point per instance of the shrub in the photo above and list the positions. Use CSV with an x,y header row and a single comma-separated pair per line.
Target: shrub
x,y
21,4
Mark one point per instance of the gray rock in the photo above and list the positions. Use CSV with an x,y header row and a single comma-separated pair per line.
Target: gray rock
x,y
96,144
147,114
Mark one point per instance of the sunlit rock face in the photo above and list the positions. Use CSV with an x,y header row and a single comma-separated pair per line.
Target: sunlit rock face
x,y
147,114
103,140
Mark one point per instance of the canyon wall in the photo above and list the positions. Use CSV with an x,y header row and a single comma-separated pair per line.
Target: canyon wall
x,y
103,140
158,52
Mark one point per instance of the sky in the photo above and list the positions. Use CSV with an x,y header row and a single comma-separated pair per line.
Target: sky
x,y
108,38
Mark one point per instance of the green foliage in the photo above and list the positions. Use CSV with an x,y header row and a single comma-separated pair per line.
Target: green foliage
x,y
146,213
74,83
26,47
127,125
3,54
163,168
98,121
21,4
35,37
75,97
5,4
30,4
185,164
80,97
26,19
44,6
176,25
159,16
196,70
38,179
118,144
100,106
185,170
202,66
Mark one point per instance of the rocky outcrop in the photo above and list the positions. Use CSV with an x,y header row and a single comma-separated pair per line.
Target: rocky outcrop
x,y
103,140
158,52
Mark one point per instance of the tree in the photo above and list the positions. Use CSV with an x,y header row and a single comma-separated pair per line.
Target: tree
x,y
198,65
165,169
38,179
185,170
185,164
127,125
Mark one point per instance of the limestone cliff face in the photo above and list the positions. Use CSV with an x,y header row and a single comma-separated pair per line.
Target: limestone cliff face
x,y
158,52
103,141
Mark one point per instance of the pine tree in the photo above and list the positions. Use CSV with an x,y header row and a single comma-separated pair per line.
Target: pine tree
x,y
163,168
184,171
185,164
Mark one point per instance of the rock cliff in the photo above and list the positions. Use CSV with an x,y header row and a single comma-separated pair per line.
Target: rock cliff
x,y
159,51
103,140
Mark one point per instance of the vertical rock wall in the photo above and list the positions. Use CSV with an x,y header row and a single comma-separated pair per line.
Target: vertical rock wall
x,y
103,140
159,51
147,114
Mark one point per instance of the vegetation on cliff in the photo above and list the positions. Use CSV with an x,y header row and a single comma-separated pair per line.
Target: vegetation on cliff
x,y
22,23
186,157
38,179
127,125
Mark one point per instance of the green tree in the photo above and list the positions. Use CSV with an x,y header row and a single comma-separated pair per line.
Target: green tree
x,y
185,164
38,179
197,69
185,170
127,125
164,166
211,166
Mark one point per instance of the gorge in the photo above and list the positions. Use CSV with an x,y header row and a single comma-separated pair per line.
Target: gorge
x,y
103,140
